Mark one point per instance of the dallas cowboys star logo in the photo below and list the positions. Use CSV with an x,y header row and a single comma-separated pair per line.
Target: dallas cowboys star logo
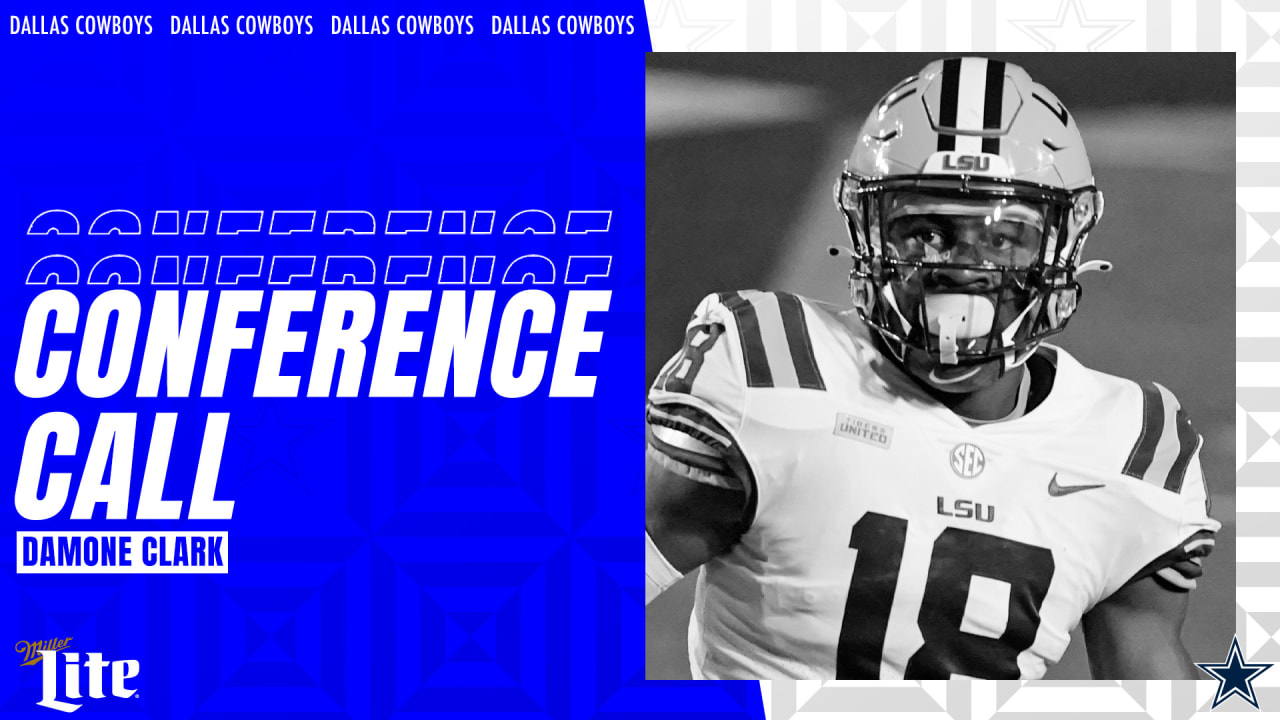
x,y
1235,676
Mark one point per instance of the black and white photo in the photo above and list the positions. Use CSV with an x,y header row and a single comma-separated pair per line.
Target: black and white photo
x,y
975,411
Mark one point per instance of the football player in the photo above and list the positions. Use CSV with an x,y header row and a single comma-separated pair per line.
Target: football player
x,y
922,487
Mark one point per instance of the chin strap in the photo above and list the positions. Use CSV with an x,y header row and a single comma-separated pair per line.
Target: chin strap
x,y
1012,359
1024,396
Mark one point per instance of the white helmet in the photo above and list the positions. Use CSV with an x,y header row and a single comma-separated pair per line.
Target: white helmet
x,y
969,170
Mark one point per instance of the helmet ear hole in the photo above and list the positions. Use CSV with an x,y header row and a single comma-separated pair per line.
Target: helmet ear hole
x,y
866,276
863,293
1062,305
1085,211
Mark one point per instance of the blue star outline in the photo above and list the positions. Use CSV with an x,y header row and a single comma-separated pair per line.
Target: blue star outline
x,y
1234,676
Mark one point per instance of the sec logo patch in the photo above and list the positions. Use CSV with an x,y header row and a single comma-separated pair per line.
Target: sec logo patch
x,y
967,460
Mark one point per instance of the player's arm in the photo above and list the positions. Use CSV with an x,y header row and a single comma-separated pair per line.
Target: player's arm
x,y
689,521
1136,634
698,487
697,496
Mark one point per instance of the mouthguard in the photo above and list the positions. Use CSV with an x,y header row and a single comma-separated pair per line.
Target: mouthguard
x,y
955,316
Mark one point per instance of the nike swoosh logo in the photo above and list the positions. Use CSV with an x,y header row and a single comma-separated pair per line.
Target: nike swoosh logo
x,y
1057,490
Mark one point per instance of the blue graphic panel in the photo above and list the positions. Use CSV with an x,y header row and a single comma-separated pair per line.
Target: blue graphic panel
x,y
433,555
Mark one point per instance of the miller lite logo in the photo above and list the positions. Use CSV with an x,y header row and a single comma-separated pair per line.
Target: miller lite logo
x,y
967,460
95,673
31,650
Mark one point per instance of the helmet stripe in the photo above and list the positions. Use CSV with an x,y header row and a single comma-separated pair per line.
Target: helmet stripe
x,y
993,110
971,100
969,104
949,101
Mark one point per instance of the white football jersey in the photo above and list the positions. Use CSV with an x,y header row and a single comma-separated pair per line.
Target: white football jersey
x,y
891,539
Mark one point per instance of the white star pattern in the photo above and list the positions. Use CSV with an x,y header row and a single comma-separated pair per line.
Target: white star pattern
x,y
671,29
1251,30
1071,31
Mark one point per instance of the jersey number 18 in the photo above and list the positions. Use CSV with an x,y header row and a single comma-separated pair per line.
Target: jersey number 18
x,y
958,555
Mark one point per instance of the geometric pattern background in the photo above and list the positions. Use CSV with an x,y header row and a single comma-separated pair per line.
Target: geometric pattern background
x,y
1250,28
482,556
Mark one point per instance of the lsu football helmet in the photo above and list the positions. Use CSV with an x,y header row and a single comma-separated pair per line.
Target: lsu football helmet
x,y
968,197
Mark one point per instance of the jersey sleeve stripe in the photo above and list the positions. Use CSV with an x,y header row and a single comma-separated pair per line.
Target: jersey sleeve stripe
x,y
753,354
1188,445
1177,580
1175,447
799,342
691,421
684,448
1144,448
773,333
1201,544
1167,446
701,426
681,441
1178,560
724,481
